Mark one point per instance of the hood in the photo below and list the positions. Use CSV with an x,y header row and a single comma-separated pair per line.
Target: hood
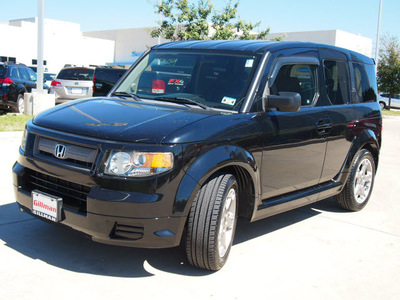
x,y
120,120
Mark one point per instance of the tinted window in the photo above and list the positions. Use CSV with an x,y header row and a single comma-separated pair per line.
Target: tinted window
x,y
297,78
24,74
337,81
14,73
109,75
364,90
76,74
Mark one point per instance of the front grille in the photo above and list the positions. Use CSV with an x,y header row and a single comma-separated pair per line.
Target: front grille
x,y
127,232
74,195
74,155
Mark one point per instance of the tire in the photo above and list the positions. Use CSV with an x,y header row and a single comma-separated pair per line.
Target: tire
x,y
358,188
20,104
382,104
212,223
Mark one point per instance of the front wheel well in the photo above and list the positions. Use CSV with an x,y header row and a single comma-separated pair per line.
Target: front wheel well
x,y
246,190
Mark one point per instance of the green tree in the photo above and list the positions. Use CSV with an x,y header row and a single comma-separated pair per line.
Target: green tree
x,y
185,21
388,73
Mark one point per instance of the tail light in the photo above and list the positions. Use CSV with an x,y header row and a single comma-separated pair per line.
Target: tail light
x,y
56,83
6,81
93,87
158,87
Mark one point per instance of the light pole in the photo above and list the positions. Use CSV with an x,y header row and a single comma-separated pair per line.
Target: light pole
x,y
39,82
378,35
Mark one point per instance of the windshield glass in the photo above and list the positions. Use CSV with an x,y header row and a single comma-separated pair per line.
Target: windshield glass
x,y
218,80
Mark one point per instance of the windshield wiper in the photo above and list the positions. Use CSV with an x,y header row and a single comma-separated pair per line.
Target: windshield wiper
x,y
126,94
182,101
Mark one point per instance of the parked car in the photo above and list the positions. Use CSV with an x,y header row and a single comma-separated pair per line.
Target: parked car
x,y
197,134
73,83
48,78
394,102
104,79
15,80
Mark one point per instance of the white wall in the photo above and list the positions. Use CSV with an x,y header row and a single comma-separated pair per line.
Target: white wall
x,y
337,38
64,43
128,42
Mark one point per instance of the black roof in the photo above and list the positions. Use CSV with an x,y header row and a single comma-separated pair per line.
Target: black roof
x,y
256,46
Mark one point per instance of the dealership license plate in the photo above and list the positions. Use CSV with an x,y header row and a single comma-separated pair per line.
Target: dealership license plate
x,y
46,206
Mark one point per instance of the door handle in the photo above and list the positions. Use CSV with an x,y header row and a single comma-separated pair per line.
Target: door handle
x,y
324,126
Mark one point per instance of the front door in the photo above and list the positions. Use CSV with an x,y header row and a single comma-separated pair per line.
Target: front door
x,y
294,143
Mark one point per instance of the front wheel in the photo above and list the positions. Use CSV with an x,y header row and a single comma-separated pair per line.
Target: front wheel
x,y
212,223
358,188
382,104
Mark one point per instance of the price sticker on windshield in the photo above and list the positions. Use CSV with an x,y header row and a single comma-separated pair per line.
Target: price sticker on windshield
x,y
229,101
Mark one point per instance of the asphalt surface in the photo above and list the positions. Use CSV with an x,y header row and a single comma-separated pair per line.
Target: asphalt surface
x,y
315,252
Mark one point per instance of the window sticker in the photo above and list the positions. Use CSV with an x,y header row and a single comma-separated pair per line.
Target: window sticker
x,y
249,63
176,82
229,101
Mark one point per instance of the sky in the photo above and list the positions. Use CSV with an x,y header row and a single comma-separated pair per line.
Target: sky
x,y
355,16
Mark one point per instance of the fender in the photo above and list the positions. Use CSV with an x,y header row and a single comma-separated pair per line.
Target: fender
x,y
366,139
207,164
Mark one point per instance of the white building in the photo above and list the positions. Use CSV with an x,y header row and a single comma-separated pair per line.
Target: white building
x,y
64,43
337,38
129,43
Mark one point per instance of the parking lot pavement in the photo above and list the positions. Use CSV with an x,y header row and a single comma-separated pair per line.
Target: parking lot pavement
x,y
315,252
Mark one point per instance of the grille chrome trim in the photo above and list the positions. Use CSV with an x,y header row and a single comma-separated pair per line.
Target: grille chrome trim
x,y
74,155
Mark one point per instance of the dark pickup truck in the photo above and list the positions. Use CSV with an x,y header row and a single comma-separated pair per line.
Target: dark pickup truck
x,y
197,134
104,78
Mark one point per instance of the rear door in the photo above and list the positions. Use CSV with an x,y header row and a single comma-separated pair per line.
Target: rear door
x,y
336,96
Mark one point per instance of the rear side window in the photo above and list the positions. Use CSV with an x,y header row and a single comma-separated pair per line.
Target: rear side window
x,y
297,78
337,81
365,82
76,74
109,75
24,74
14,73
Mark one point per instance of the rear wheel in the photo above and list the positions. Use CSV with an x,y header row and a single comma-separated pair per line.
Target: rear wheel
x,y
382,104
212,223
358,188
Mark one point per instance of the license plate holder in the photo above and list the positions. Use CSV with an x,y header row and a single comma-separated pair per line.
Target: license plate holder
x,y
46,206
76,90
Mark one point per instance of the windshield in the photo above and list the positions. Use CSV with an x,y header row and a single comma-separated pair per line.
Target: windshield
x,y
218,80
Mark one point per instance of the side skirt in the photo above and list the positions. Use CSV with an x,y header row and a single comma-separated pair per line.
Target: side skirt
x,y
276,205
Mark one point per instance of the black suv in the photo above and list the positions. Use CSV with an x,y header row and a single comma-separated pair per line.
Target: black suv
x,y
200,133
104,78
15,80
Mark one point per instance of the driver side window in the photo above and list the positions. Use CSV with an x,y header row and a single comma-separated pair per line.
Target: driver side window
x,y
297,78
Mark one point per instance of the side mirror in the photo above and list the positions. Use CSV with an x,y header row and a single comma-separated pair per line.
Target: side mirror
x,y
285,101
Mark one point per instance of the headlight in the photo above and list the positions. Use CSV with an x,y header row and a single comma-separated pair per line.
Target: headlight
x,y
138,164
23,141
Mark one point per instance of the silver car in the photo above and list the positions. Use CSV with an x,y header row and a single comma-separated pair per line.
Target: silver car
x,y
73,83
384,101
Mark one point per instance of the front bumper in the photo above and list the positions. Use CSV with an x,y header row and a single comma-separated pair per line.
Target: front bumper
x,y
111,217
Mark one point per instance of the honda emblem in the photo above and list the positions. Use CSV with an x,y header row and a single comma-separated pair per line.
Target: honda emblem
x,y
60,151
